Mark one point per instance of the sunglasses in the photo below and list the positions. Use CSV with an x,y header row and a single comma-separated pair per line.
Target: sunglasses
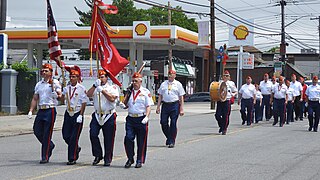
x,y
135,81
44,70
73,76
102,76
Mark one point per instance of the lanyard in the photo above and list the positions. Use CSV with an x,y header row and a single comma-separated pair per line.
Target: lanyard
x,y
279,87
135,96
74,90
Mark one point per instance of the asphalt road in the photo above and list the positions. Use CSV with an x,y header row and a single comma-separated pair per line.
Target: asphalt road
x,y
257,152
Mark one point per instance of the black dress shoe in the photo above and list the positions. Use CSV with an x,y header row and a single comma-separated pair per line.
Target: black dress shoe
x,y
129,163
96,160
315,130
106,164
224,133
171,146
167,142
71,162
220,130
44,161
310,129
138,165
243,122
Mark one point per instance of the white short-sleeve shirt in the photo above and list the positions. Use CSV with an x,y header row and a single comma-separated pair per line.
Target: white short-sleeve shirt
x,y
139,100
44,90
106,105
171,91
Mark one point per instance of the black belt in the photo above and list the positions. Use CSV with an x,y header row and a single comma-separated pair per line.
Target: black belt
x,y
170,102
280,98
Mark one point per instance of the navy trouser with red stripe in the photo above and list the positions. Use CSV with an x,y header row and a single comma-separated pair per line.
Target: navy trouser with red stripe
x,y
279,109
313,114
71,131
109,131
222,115
170,131
134,128
42,129
247,116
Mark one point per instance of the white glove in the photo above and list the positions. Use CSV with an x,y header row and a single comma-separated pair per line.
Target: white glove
x,y
99,88
54,95
122,106
30,115
97,83
306,104
145,120
79,119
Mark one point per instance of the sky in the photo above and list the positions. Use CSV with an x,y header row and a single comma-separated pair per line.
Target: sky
x,y
302,32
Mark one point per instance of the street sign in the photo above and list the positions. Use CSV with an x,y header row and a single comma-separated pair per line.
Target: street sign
x,y
278,67
3,48
247,61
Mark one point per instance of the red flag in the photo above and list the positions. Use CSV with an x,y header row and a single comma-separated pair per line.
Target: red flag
x,y
106,8
93,32
110,58
53,43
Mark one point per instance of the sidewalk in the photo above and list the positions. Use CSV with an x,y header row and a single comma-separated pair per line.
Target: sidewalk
x,y
20,124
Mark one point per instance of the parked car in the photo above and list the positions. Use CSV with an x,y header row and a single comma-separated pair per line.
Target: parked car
x,y
198,97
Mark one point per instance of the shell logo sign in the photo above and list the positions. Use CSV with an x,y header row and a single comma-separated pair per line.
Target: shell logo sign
x,y
241,32
141,29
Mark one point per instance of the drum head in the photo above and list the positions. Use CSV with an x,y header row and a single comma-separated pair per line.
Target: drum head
x,y
223,90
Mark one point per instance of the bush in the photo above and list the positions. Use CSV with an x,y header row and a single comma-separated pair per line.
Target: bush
x,y
26,81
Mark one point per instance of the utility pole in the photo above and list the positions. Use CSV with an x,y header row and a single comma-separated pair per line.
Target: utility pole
x,y
3,14
318,18
170,41
283,39
212,59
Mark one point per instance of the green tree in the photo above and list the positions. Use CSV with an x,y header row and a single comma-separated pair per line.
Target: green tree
x,y
128,13
274,49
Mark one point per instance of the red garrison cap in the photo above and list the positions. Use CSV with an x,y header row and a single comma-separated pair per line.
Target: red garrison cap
x,y
315,78
226,72
281,78
102,72
74,72
136,75
172,71
47,66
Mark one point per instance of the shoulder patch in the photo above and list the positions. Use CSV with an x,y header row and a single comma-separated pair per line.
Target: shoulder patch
x,y
149,94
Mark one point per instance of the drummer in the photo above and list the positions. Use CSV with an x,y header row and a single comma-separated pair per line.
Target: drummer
x,y
224,107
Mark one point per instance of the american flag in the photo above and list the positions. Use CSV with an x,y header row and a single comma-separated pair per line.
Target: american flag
x,y
54,46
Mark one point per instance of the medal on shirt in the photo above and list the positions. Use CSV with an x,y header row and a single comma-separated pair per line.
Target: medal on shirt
x,y
169,87
70,109
135,96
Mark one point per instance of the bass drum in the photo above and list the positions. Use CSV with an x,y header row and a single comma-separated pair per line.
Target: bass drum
x,y
218,91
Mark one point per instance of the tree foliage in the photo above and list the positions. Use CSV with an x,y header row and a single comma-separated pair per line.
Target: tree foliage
x,y
128,13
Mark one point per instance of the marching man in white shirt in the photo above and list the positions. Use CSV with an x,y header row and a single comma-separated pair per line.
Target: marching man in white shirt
x,y
279,98
313,98
290,103
297,87
104,98
247,97
265,87
45,95
171,94
139,108
76,99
